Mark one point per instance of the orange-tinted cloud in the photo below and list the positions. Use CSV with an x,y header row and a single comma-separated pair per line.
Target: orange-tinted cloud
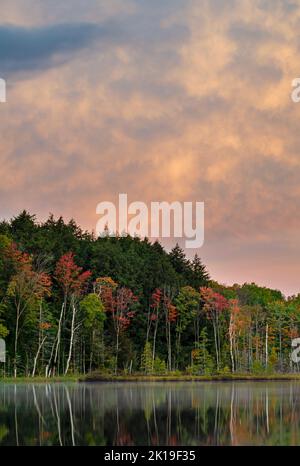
x,y
172,101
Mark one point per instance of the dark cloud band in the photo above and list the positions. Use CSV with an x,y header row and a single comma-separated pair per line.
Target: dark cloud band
x,y
25,49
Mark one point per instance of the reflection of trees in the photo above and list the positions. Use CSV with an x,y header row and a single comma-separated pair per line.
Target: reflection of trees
x,y
150,414
71,416
16,415
56,415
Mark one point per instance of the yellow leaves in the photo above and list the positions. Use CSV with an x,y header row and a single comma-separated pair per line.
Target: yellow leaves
x,y
106,281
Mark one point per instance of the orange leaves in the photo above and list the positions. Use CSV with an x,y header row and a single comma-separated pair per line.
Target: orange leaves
x,y
106,282
45,325
122,307
26,283
171,311
45,284
240,317
234,316
70,276
213,302
81,282
117,301
156,298
195,354
19,258
293,333
107,298
104,287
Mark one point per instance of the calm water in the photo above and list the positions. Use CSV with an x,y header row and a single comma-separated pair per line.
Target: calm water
x,y
210,413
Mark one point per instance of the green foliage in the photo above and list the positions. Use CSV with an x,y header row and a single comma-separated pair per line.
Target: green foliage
x,y
3,432
185,328
202,362
253,294
258,367
110,364
93,310
146,359
159,366
3,331
187,304
5,242
225,371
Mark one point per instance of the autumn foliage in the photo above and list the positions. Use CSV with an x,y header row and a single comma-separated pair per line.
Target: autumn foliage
x,y
125,304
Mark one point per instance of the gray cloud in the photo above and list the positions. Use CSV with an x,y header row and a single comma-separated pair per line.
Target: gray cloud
x,y
249,34
39,48
180,99
26,49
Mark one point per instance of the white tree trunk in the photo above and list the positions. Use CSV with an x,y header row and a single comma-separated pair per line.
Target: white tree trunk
x,y
231,336
59,333
71,338
37,355
16,341
267,331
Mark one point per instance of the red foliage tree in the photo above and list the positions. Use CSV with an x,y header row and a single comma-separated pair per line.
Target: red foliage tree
x,y
26,288
73,282
213,305
70,276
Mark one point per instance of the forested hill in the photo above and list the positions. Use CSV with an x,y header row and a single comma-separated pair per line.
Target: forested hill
x,y
71,302
138,264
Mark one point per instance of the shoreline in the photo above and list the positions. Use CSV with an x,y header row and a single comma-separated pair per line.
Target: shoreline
x,y
100,378
38,379
94,378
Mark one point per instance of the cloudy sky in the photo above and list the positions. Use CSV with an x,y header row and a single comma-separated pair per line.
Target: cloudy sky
x,y
164,100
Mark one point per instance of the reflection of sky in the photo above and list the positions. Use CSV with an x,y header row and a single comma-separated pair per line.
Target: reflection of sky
x,y
174,100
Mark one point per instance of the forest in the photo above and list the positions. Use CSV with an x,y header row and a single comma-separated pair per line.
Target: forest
x,y
71,303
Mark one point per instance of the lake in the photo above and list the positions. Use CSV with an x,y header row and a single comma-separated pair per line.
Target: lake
x,y
175,413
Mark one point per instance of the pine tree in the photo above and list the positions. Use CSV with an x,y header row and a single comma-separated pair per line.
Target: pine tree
x,y
202,362
200,276
178,259
146,359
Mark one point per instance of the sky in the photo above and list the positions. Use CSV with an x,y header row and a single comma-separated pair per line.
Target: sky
x,y
186,100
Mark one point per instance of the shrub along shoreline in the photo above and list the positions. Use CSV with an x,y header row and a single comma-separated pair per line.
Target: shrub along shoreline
x,y
98,378
188,378
40,379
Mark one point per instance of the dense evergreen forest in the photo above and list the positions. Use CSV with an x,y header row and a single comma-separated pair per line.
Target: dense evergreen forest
x,y
73,303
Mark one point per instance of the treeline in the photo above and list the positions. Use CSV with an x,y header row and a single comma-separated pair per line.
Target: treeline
x,y
70,302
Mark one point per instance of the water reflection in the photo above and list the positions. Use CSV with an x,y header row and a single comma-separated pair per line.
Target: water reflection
x,y
238,413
